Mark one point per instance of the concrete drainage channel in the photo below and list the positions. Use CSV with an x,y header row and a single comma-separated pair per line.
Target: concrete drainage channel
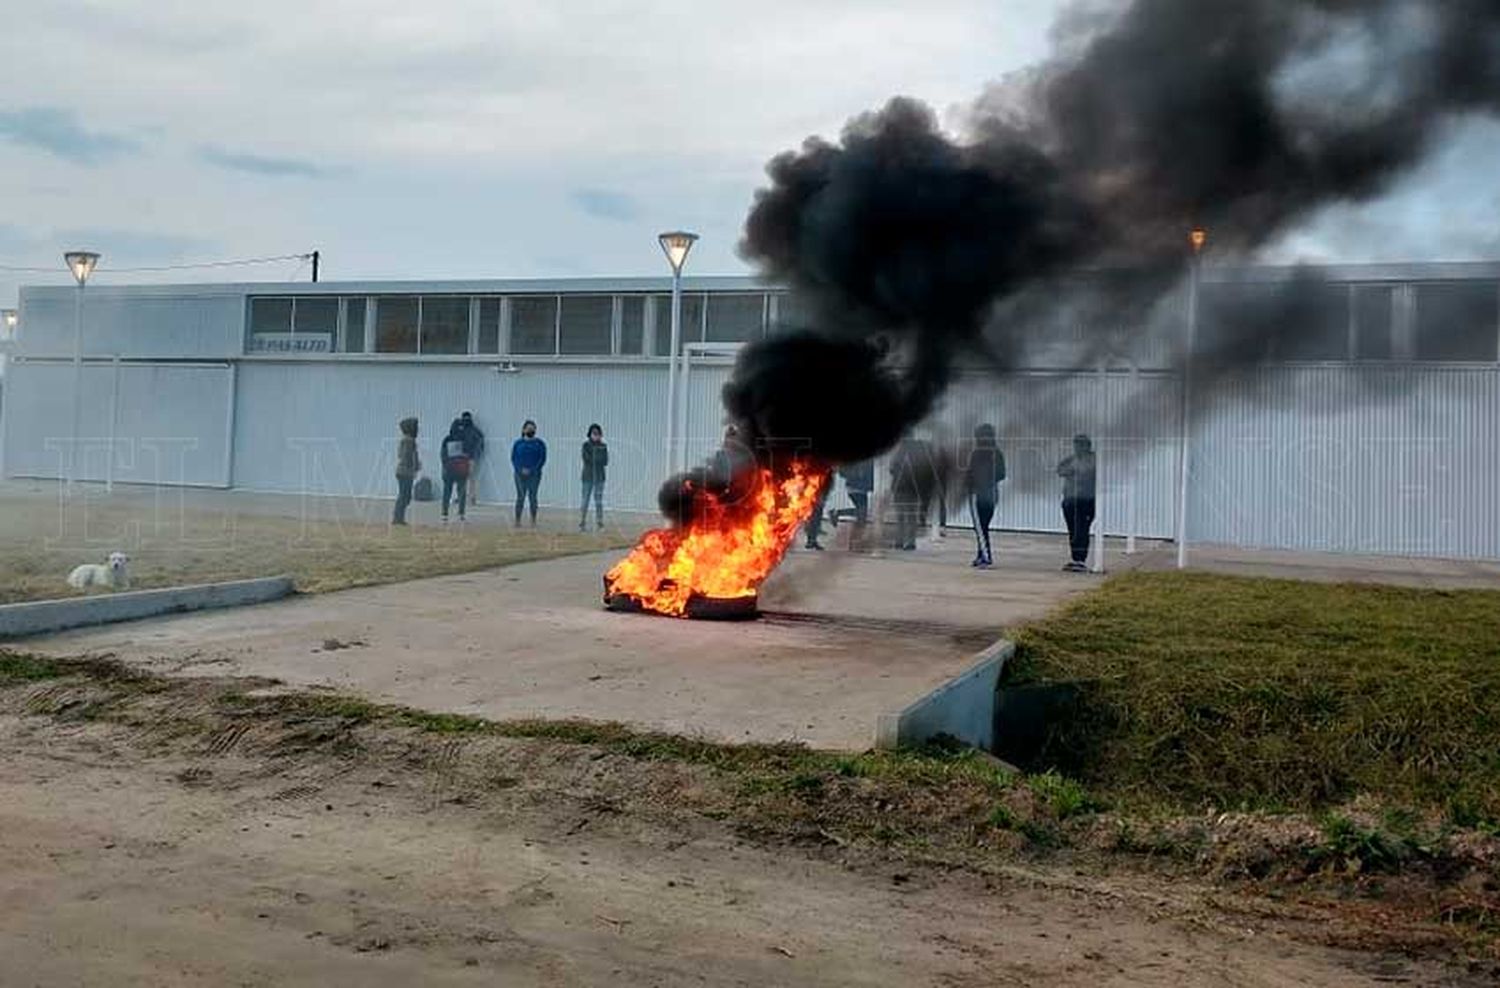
x,y
964,708
47,616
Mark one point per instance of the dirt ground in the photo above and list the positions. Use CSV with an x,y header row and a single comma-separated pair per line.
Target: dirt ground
x,y
196,846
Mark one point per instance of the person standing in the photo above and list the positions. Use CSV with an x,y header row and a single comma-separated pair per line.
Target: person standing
x,y
814,525
1077,473
982,477
527,457
408,465
457,469
595,462
473,448
906,490
859,483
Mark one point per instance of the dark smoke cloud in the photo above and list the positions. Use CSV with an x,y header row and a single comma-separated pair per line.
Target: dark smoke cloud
x,y
913,249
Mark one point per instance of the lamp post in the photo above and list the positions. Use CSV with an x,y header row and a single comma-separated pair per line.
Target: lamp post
x,y
1198,238
81,264
675,244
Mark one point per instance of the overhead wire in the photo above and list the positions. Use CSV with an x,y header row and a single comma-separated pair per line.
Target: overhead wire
x,y
302,257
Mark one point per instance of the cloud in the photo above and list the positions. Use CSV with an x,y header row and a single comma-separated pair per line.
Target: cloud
x,y
606,204
258,164
58,131
125,247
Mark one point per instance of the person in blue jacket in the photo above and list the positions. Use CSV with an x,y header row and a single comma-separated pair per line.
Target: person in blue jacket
x,y
527,457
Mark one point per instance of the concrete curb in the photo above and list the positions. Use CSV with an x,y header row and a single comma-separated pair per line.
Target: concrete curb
x,y
45,616
963,707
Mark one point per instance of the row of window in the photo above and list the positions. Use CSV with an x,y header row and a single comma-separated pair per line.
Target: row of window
x,y
632,325
1438,321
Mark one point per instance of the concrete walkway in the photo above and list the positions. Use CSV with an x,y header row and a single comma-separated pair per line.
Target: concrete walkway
x,y
846,639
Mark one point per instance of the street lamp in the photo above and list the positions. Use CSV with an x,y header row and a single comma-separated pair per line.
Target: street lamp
x,y
1198,238
675,244
81,264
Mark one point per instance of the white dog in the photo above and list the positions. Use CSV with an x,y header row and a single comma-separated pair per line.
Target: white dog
x,y
112,574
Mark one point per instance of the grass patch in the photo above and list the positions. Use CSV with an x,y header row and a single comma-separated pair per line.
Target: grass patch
x,y
1202,691
324,544
18,668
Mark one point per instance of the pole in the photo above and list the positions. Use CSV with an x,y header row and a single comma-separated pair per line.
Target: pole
x,y
1135,469
682,401
1099,478
114,417
317,255
1183,465
72,471
672,370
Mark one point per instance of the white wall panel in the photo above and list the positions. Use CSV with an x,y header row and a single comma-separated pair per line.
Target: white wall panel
x,y
169,422
1403,460
200,326
331,428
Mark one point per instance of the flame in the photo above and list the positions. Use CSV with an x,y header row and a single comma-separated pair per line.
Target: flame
x,y
726,550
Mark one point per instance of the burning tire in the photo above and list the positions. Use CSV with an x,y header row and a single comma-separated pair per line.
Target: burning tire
x,y
699,607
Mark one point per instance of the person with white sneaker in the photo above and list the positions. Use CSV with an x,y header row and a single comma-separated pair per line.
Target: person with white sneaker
x,y
982,476
1077,473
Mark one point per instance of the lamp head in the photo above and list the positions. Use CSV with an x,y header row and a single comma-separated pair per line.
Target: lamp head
x,y
1198,238
81,264
676,245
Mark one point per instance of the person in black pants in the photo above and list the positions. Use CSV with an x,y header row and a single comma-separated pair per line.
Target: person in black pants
x,y
456,466
982,476
1077,472
859,481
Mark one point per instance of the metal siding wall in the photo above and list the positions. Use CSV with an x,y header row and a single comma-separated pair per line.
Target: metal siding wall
x,y
1132,423
1400,460
188,327
169,425
330,428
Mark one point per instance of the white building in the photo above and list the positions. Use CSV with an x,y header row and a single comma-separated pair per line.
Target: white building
x,y
298,388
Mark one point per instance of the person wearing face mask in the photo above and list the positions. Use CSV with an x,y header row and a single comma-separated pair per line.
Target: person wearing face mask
x,y
528,455
595,463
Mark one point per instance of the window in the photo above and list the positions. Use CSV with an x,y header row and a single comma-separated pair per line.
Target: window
x,y
315,320
735,318
270,315
692,321
792,311
1374,325
445,324
396,325
1297,320
1457,320
353,340
633,324
533,324
586,323
489,325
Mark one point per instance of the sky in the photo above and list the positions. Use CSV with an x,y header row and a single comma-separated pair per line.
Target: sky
x,y
475,138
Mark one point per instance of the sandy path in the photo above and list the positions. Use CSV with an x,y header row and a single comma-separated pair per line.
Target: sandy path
x,y
120,868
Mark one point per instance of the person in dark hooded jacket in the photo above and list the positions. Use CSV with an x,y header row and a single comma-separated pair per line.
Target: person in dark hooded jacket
x,y
982,477
456,469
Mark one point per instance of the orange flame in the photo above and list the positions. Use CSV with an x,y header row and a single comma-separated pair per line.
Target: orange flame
x,y
726,551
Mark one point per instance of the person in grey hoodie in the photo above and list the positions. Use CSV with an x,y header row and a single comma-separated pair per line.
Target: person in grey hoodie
x,y
595,461
1077,473
408,465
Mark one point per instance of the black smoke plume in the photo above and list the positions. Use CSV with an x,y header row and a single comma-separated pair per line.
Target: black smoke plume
x,y
911,248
